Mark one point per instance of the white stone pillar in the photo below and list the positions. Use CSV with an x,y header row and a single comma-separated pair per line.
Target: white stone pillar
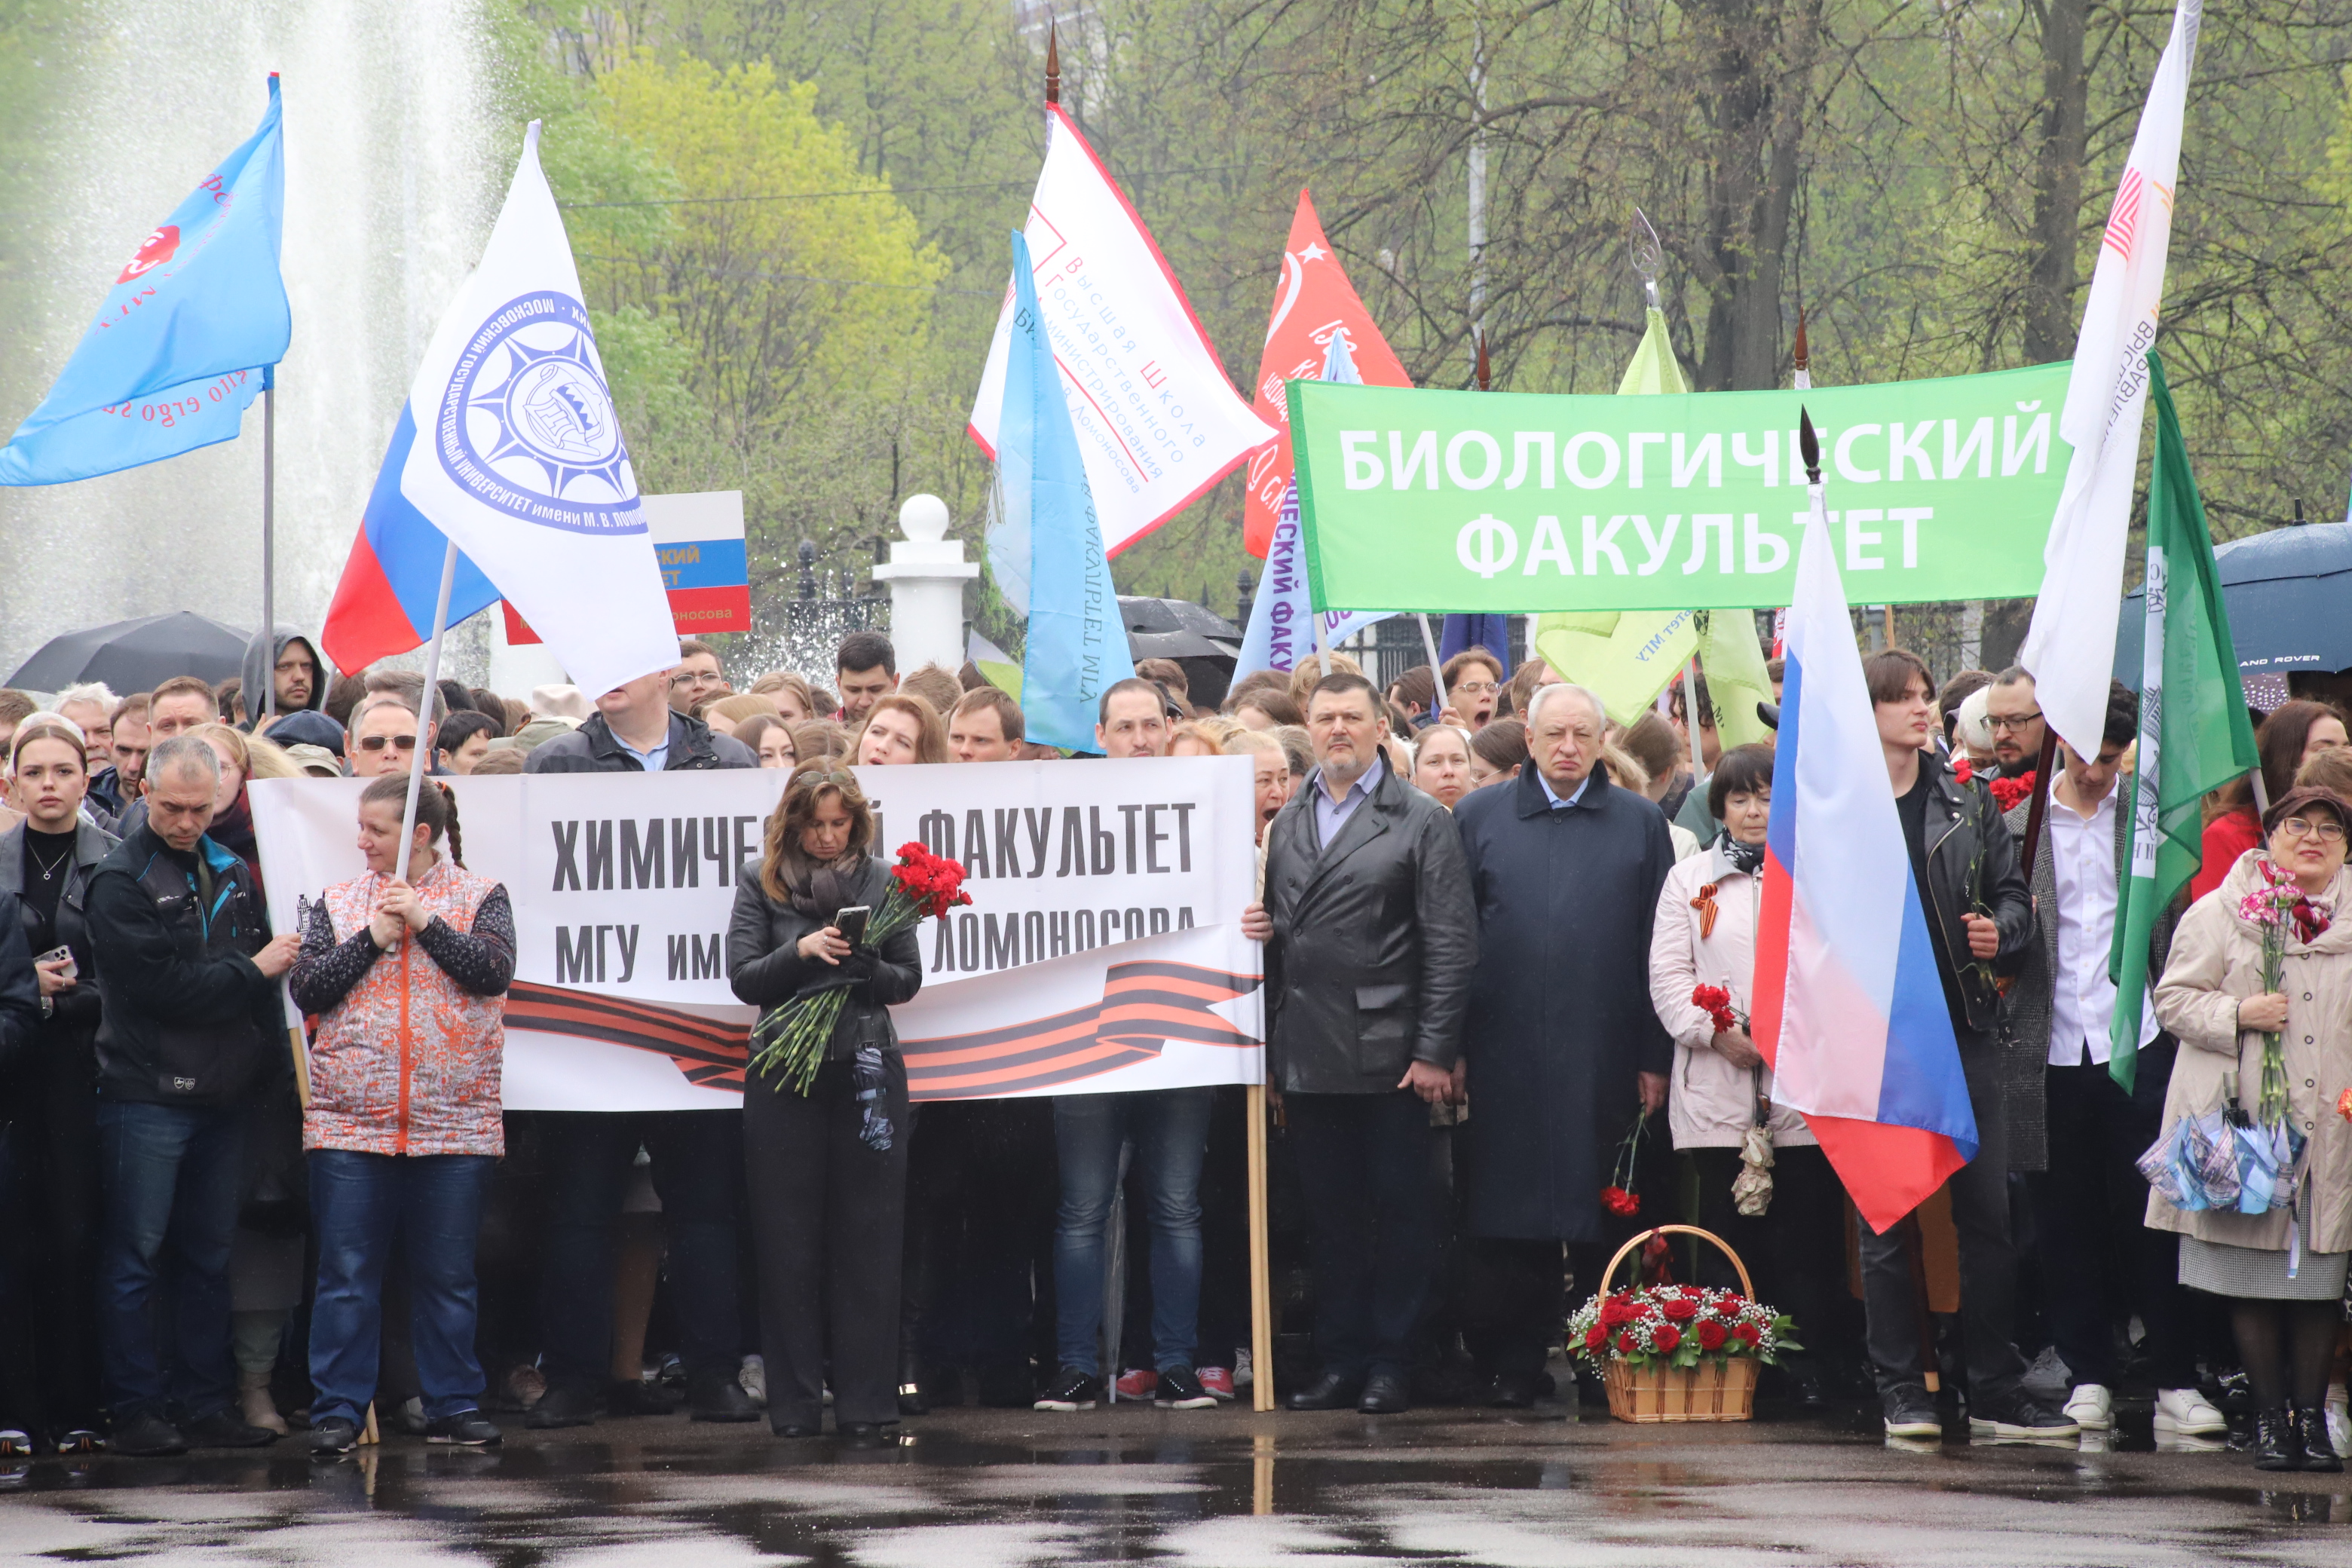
x,y
927,573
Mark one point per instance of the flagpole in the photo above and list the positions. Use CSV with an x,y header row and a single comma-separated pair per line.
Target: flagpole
x,y
1436,670
419,762
269,709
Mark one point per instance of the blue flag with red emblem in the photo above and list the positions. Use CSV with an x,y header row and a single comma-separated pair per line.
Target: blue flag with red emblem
x,y
187,336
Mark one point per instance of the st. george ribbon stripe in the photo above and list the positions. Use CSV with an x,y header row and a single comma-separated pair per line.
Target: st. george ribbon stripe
x,y
709,1052
1143,1003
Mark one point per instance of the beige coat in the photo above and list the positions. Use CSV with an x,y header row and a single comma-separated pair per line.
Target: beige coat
x,y
1710,1104
2216,960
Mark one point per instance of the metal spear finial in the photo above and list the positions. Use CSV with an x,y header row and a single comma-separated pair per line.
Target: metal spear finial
x,y
1649,256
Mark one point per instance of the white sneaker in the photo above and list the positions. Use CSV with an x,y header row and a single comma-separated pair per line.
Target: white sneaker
x,y
2091,1407
2339,1420
2187,1413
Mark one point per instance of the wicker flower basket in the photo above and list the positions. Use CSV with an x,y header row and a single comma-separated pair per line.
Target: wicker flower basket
x,y
1714,1390
1711,1390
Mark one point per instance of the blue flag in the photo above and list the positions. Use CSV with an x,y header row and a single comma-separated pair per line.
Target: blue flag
x,y
187,338
1077,645
1281,630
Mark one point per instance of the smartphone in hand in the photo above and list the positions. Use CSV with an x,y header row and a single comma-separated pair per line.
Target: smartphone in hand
x,y
851,923
72,970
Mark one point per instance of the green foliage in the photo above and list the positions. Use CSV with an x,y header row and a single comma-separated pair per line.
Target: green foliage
x,y
1906,136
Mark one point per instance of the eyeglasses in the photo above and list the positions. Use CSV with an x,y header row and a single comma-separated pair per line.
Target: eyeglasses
x,y
2329,832
378,742
1475,689
2018,723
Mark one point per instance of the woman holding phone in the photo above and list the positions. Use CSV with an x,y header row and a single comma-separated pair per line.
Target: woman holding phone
x,y
828,1169
45,860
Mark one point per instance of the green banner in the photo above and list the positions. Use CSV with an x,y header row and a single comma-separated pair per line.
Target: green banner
x,y
1485,501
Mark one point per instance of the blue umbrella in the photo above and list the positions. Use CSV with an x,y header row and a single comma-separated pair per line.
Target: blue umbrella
x,y
2288,591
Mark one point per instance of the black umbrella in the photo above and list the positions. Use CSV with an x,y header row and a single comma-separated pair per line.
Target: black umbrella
x,y
136,656
1204,642
2287,592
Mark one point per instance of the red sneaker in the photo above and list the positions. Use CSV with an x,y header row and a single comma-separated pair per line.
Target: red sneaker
x,y
1217,1380
1137,1385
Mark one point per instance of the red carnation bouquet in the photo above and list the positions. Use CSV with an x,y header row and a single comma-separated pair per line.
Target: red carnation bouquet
x,y
1678,1325
2007,793
1715,1003
788,1040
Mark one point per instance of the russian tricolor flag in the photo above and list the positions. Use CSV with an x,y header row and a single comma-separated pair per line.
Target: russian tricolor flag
x,y
1849,1010
383,604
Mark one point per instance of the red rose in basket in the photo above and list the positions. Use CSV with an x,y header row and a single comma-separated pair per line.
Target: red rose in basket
x,y
788,1040
1711,1335
1680,1309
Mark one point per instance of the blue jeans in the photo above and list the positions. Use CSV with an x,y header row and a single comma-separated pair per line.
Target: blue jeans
x,y
1170,1128
434,1203
172,1175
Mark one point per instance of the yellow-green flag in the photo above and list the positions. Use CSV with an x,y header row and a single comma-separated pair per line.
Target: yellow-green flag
x,y
1626,657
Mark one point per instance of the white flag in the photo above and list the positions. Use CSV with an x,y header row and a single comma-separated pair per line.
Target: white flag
x,y
519,457
2070,647
1158,422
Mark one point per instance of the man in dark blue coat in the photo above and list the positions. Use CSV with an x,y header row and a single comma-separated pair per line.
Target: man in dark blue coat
x,y
1562,1046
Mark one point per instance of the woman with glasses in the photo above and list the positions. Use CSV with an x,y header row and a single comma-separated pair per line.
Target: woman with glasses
x,y
827,1169
2295,733
2282,1271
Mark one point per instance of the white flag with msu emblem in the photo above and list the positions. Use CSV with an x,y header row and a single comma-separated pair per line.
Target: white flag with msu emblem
x,y
520,460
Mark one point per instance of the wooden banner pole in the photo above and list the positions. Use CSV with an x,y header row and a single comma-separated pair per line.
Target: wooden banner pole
x,y
1261,1262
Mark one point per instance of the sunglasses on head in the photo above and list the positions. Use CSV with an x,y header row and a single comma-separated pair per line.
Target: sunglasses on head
x,y
378,742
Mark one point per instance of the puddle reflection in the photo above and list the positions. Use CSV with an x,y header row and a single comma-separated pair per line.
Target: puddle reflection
x,y
1273,1493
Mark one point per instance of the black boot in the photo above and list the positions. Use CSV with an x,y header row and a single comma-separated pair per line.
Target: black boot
x,y
2277,1445
2318,1453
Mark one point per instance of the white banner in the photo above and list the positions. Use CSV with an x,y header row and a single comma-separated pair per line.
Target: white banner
x,y
1157,421
1102,950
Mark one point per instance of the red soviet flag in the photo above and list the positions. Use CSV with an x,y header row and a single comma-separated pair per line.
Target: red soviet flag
x,y
1314,299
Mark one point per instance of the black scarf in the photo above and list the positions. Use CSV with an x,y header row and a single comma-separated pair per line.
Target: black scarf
x,y
1747,858
830,888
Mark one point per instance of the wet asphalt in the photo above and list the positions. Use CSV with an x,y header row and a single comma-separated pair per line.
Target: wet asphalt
x,y
1220,1489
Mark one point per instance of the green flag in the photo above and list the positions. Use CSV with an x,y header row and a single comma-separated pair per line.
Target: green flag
x,y
1654,367
1626,659
2194,735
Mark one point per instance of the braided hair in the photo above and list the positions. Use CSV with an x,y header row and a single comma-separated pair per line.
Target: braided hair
x,y
436,808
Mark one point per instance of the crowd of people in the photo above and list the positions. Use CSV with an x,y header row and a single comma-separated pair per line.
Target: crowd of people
x,y
1489,912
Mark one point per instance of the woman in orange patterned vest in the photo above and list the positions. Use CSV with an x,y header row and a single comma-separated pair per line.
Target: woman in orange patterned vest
x,y
407,971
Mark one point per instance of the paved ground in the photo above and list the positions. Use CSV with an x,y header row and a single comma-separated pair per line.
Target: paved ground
x,y
1221,1489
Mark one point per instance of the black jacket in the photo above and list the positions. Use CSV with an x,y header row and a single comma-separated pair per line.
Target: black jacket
x,y
593,748
72,1012
1375,937
766,969
1973,868
187,1019
20,994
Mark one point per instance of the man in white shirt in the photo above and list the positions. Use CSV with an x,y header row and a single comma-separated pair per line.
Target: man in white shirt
x,y
2100,1264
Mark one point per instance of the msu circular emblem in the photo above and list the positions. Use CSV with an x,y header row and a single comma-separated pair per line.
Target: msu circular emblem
x,y
527,423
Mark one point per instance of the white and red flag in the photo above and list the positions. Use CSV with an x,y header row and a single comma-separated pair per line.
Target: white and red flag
x,y
2070,646
1158,422
1314,301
